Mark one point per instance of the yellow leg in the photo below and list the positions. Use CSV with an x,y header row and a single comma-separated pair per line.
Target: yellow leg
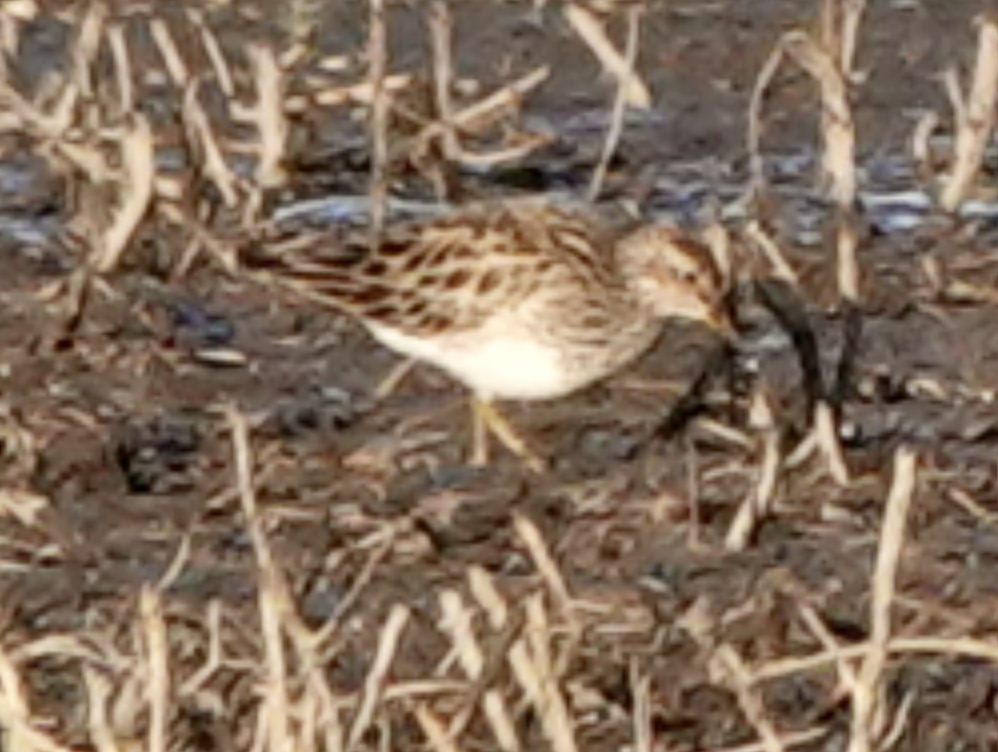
x,y
486,418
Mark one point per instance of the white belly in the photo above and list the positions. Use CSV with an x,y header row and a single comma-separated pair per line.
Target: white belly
x,y
493,364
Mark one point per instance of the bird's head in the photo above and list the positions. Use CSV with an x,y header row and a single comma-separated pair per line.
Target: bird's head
x,y
674,276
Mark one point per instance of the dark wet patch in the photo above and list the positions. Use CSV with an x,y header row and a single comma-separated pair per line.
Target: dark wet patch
x,y
155,457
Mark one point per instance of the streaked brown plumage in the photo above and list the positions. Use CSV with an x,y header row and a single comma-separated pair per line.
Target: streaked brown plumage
x,y
517,300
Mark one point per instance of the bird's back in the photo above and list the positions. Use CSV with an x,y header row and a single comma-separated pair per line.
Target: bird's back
x,y
449,274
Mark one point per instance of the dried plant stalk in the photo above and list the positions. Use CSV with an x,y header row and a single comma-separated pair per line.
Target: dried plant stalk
x,y
213,661
852,18
839,164
837,126
781,268
839,31
271,122
544,561
14,712
274,721
539,680
21,10
214,166
975,119
539,683
476,117
733,672
122,67
753,131
98,688
867,694
921,151
170,53
441,30
483,589
847,262
641,721
829,67
158,681
359,93
434,729
13,14
391,635
302,22
486,111
88,43
456,621
377,51
846,673
961,646
10,34
20,734
135,190
592,32
826,431
223,71
718,241
619,105
760,501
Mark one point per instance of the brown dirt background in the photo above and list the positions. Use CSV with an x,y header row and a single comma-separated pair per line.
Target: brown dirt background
x,y
116,431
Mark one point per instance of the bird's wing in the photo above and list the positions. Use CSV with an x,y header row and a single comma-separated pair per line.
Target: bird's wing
x,y
449,274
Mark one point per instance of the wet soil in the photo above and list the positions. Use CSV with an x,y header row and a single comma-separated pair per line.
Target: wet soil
x,y
117,426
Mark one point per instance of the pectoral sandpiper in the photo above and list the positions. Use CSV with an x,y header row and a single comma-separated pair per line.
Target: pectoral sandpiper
x,y
516,300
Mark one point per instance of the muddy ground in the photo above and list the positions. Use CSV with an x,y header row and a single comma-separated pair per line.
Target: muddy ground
x,y
115,429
